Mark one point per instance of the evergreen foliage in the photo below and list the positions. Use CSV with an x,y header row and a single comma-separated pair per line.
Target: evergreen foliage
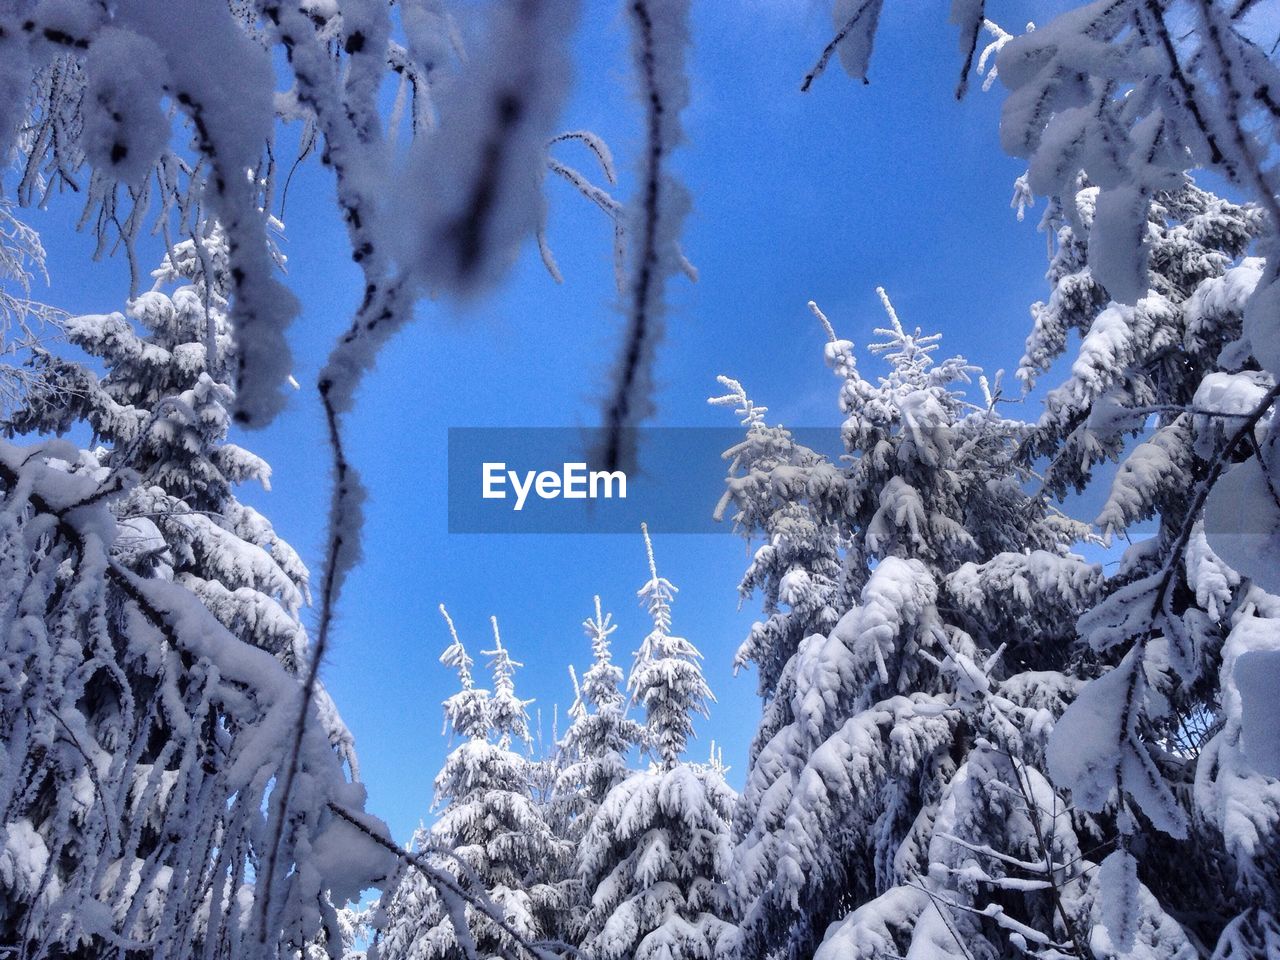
x,y
152,645
873,724
489,835
656,854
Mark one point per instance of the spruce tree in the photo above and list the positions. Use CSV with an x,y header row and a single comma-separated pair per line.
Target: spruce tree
x,y
656,853
595,747
489,835
949,660
796,570
1170,390
592,759
144,721
161,408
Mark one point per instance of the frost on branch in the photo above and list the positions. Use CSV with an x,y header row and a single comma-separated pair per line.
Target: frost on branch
x,y
25,324
477,184
855,23
1133,98
111,98
659,36
170,113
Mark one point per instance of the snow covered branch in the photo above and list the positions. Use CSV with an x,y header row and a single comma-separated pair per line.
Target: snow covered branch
x,y
660,33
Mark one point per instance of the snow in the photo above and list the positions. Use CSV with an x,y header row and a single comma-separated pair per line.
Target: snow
x,y
1096,753
1257,677
1259,319
1119,890
958,711
126,130
1118,244
857,21
1242,523
477,193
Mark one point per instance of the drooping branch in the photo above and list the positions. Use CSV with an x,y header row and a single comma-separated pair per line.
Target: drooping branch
x,y
858,31
659,35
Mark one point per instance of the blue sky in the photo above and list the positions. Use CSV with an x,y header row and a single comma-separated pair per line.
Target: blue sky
x,y
797,196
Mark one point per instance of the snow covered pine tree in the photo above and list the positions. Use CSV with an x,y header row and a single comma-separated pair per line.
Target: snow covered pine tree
x,y
489,839
655,856
894,799
1155,744
162,410
591,759
1111,104
152,656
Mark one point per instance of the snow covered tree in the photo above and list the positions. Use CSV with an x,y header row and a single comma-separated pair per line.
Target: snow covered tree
x,y
150,833
595,747
796,570
489,835
950,658
508,714
162,409
656,853
1122,99
666,678
416,921
1133,95
1148,358
591,760
1170,389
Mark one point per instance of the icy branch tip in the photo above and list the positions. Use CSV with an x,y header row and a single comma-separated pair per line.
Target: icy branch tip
x,y
888,308
822,318
648,549
449,620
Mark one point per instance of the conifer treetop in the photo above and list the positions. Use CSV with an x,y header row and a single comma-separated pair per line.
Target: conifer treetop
x,y
602,679
666,677
509,715
467,712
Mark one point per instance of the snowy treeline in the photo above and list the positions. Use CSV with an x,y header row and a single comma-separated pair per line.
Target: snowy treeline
x,y
974,742
586,848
